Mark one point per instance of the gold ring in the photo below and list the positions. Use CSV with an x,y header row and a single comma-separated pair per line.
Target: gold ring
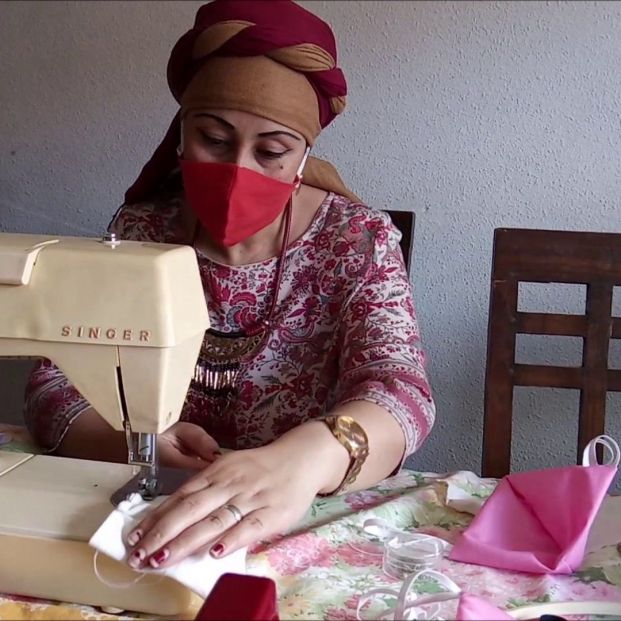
x,y
235,512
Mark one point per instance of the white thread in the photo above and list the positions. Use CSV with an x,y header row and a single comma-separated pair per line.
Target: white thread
x,y
589,455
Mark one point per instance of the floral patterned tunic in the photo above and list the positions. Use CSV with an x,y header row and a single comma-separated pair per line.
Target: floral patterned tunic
x,y
344,329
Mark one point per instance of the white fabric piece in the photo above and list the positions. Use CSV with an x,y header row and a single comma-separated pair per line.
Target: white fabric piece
x,y
198,572
463,490
462,500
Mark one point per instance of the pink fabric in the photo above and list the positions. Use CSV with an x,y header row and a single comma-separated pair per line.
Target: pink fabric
x,y
536,521
345,330
473,608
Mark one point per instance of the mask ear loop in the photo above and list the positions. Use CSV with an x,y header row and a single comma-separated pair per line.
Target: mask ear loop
x,y
120,585
589,456
297,181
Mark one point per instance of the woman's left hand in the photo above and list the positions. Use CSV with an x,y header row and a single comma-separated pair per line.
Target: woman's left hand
x,y
241,498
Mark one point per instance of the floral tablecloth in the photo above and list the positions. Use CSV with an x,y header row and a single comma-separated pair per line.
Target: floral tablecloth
x,y
324,565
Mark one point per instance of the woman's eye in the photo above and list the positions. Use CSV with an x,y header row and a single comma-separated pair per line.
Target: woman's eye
x,y
213,140
271,155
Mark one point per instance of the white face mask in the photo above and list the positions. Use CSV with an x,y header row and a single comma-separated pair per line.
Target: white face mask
x,y
198,572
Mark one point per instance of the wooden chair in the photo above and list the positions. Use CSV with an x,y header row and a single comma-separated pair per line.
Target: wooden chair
x,y
592,259
405,221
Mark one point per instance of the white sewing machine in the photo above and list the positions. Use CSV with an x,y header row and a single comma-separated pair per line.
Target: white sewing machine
x,y
124,321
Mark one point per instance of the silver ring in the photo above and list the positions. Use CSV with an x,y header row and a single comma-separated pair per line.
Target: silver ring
x,y
235,512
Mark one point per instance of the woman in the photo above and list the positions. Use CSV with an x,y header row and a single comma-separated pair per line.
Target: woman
x,y
312,369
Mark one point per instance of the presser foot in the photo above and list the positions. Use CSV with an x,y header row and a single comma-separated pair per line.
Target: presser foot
x,y
149,484
167,481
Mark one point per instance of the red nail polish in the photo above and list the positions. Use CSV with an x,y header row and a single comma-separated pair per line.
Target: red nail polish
x,y
134,537
217,550
136,557
159,557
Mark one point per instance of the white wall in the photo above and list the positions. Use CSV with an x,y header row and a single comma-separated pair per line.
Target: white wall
x,y
472,114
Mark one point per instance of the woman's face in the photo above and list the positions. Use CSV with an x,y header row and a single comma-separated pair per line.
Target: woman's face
x,y
248,140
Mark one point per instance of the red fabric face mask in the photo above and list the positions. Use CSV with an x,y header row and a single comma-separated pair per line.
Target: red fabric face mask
x,y
232,202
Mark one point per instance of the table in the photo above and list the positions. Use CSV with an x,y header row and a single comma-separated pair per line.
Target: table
x,y
319,575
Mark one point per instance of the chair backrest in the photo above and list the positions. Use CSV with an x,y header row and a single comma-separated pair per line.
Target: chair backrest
x,y
523,255
405,222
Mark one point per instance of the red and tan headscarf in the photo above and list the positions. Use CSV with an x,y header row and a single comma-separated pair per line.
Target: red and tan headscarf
x,y
268,57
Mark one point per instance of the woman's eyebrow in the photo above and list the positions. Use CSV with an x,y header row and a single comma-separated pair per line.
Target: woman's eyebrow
x,y
219,119
276,133
230,126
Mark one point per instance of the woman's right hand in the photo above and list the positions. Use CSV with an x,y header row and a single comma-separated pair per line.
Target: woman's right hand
x,y
186,445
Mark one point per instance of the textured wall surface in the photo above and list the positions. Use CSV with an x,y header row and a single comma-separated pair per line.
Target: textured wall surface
x,y
472,114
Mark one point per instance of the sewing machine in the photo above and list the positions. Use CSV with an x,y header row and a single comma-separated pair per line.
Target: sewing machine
x,y
124,321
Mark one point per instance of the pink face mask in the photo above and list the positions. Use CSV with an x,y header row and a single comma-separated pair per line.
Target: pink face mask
x,y
539,521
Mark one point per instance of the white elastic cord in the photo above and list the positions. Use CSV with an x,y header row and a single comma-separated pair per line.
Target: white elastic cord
x,y
300,170
410,607
589,455
112,584
379,532
297,180
376,532
124,585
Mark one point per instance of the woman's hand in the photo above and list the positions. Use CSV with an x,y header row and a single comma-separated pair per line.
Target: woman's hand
x,y
186,445
268,488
